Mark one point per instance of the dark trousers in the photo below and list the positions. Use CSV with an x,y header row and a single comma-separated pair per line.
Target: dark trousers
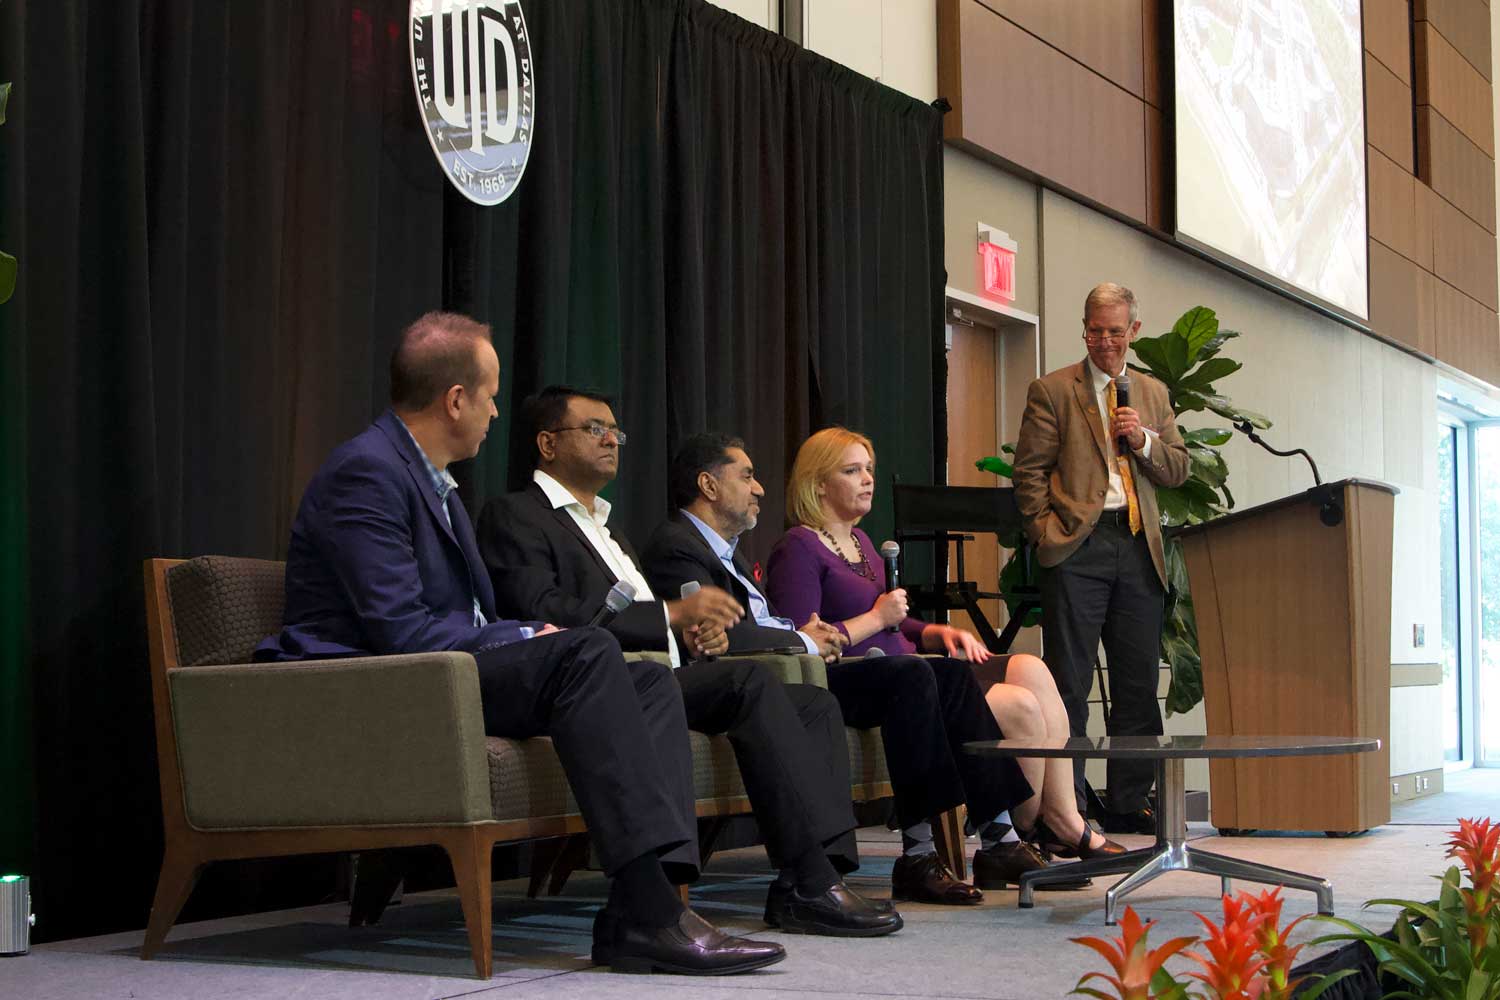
x,y
927,709
620,731
1107,589
792,752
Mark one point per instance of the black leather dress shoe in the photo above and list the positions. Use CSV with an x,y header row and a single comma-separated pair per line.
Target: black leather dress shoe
x,y
1142,820
1002,866
923,878
690,947
776,901
838,912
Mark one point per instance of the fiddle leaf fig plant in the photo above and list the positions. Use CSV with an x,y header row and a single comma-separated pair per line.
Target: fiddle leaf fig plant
x,y
1186,360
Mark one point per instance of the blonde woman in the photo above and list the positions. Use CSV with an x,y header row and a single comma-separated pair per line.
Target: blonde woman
x,y
926,707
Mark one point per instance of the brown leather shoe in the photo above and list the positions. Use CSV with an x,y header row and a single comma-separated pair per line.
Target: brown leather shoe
x,y
691,946
923,878
1002,866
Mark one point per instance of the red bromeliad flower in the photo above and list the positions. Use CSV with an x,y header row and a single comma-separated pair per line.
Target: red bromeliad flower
x,y
1477,846
1233,961
1134,965
1271,941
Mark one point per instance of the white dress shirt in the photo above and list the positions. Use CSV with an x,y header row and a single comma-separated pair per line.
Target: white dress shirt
x,y
1114,499
592,524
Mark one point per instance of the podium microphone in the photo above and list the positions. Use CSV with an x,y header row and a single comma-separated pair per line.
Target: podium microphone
x,y
889,553
1122,398
618,599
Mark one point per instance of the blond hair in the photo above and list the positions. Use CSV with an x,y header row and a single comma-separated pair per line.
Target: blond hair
x,y
819,457
1110,294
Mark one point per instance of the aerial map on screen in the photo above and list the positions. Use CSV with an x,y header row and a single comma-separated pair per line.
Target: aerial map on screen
x,y
1270,141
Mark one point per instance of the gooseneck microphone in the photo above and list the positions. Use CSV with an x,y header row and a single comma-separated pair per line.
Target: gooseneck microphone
x,y
618,599
889,552
1122,398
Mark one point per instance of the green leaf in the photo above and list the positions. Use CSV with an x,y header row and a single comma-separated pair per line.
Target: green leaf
x,y
1225,408
1188,402
1196,327
1153,355
1179,359
1212,436
7,277
1317,990
4,99
1205,374
1216,344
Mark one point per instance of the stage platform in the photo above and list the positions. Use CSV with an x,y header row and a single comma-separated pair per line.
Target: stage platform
x,y
420,952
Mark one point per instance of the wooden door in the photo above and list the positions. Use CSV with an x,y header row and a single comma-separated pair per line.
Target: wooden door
x,y
973,433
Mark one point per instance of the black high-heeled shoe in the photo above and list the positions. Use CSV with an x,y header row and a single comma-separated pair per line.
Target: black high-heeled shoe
x,y
1053,843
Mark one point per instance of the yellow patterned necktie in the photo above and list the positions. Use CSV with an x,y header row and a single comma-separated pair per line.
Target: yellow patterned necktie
x,y
1127,480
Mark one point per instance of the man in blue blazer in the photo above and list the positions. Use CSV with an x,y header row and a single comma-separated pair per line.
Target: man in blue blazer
x,y
383,560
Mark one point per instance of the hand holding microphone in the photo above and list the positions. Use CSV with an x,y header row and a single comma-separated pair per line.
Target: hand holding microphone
x,y
1129,435
705,639
890,552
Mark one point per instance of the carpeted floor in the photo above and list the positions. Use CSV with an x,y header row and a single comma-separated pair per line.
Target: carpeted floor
x,y
420,951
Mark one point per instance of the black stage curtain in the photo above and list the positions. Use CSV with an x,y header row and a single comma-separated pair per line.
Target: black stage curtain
x,y
225,212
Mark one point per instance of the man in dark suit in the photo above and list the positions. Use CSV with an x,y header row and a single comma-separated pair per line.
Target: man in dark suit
x,y
714,492
382,560
551,555
1090,509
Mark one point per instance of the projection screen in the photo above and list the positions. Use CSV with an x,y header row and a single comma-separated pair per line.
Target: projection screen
x,y
1270,143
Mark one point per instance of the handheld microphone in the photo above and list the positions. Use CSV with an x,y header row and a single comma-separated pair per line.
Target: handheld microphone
x,y
1122,398
889,552
618,599
688,589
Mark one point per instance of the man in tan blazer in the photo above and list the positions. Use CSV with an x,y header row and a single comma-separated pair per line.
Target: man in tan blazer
x,y
1090,508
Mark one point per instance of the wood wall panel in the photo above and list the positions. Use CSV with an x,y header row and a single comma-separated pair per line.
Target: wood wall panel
x,y
1455,168
1057,119
1393,205
1156,169
1397,299
1426,212
1466,26
1388,114
1449,83
1153,55
1388,35
1463,254
1106,38
1468,334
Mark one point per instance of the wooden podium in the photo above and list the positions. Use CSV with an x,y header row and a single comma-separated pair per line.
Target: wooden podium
x,y
1293,603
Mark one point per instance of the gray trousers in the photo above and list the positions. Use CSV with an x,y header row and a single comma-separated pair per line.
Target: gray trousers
x,y
1108,589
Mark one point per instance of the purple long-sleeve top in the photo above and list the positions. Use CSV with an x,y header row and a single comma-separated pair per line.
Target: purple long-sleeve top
x,y
804,578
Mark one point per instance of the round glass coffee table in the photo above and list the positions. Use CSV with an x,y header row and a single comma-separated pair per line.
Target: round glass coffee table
x,y
1171,852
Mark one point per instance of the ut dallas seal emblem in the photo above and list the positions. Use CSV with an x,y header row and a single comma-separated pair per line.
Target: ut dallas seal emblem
x,y
471,63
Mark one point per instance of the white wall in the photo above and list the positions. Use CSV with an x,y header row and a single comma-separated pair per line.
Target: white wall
x,y
893,41
765,13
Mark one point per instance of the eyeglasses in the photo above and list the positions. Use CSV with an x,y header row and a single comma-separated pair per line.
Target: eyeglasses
x,y
1100,338
595,429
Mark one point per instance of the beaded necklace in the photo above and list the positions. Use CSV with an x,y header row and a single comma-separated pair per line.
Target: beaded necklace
x,y
863,566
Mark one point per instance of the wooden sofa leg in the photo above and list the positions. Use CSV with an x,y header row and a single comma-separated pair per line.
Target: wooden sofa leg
x,y
469,851
179,874
948,834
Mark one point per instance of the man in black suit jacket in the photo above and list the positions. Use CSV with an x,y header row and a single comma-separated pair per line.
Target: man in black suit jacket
x,y
691,545
548,550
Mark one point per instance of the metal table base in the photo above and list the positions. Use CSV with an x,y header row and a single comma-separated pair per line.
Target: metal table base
x,y
1171,853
